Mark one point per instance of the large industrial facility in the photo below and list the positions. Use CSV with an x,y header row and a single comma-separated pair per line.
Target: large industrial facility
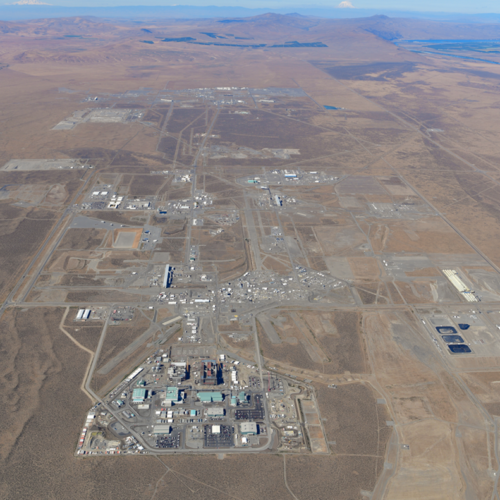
x,y
165,405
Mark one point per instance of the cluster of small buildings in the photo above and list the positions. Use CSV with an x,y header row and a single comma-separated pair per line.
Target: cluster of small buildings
x,y
115,202
176,207
254,286
202,199
174,298
280,200
88,423
139,205
285,176
311,278
191,330
227,219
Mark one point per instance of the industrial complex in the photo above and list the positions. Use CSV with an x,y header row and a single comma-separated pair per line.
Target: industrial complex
x,y
202,405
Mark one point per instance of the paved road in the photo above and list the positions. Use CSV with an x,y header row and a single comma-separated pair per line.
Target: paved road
x,y
48,241
448,151
292,306
128,350
193,187
96,358
269,329
252,234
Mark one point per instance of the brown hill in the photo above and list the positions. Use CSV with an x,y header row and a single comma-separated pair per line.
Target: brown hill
x,y
8,27
270,27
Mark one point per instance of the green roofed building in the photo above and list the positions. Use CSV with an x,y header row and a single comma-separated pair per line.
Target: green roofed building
x,y
210,397
139,395
172,394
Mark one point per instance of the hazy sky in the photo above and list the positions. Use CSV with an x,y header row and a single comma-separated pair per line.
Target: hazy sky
x,y
466,6
428,5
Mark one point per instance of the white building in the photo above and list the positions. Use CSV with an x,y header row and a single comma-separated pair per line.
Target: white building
x,y
248,428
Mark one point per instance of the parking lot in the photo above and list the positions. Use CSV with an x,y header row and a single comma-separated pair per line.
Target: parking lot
x,y
224,439
172,440
256,413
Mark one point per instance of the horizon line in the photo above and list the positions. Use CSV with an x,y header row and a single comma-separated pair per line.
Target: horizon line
x,y
269,9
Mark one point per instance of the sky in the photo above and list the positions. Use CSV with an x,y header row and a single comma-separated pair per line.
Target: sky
x,y
456,6
477,6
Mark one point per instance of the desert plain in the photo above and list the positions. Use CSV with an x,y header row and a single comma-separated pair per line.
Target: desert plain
x,y
317,201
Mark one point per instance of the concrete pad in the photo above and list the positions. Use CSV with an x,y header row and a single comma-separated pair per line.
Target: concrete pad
x,y
127,238
269,329
161,257
25,165
339,267
124,240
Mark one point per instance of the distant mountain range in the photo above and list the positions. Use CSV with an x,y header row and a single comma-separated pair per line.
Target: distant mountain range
x,y
269,30
28,2
30,9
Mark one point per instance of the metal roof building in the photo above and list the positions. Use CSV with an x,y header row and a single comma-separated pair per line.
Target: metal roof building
x,y
248,428
167,277
172,394
210,397
215,412
138,395
161,429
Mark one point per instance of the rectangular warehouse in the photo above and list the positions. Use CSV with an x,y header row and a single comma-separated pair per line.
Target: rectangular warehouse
x,y
161,429
248,428
167,276
139,395
172,395
210,397
134,374
215,412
